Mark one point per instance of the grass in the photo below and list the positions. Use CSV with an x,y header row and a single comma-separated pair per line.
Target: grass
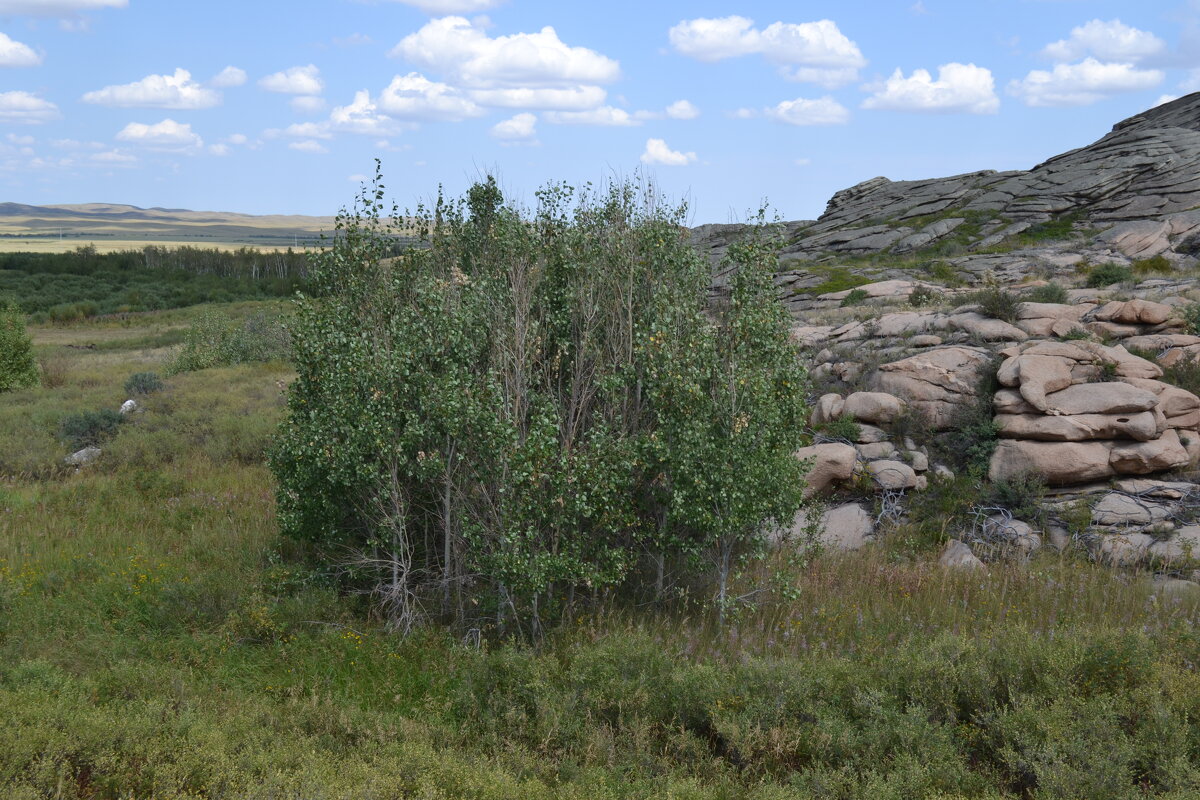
x,y
159,639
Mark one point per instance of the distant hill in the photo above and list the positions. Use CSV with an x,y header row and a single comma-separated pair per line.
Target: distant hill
x,y
113,225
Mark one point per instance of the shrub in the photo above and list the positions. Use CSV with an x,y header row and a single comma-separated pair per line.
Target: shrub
x,y
924,296
17,366
845,428
856,297
838,279
1022,495
89,428
525,407
1155,265
1191,316
944,273
1184,373
143,383
1103,275
997,303
214,340
1050,293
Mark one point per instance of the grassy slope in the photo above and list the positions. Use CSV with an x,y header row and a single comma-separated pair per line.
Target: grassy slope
x,y
158,639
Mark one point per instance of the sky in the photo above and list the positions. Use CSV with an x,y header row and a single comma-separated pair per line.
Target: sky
x,y
269,107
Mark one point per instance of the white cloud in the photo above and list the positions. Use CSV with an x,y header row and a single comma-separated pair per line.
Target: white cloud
x,y
176,91
522,70
304,130
744,113
415,97
522,127
823,111
26,108
307,104
657,152
294,80
19,139
228,78
309,146
165,135
810,52
358,177
57,8
1192,82
1081,84
802,162
1166,98
1108,41
962,88
362,116
17,54
439,8
219,149
682,109
604,115
114,158
237,138
575,98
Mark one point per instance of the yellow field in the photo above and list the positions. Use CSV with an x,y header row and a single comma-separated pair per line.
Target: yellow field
x,y
56,245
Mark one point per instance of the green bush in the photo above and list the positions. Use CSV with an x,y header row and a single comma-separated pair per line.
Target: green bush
x,y
844,428
1050,293
837,279
18,369
1155,265
520,411
1191,316
214,340
89,428
1022,495
856,297
924,296
997,303
143,383
1103,275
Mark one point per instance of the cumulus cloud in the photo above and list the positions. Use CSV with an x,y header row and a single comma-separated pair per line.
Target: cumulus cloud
x,y
962,88
26,109
165,135
823,111
682,109
573,98
362,116
294,80
441,7
228,78
1166,98
17,54
809,52
1109,41
309,146
307,104
415,97
604,115
657,152
113,158
1081,84
176,91
531,70
521,128
56,8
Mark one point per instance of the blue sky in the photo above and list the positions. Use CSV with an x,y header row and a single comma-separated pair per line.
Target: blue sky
x,y
270,107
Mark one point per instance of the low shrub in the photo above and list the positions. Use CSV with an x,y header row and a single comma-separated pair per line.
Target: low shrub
x,y
1050,293
1103,275
856,298
143,383
838,279
924,296
1022,495
846,428
72,312
1191,316
1155,265
17,367
89,428
214,340
945,274
998,303
1184,373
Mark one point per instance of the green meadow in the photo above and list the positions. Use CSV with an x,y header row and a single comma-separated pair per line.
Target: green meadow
x,y
160,639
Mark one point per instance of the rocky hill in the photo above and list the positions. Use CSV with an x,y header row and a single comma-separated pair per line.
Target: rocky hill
x,y
1026,338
